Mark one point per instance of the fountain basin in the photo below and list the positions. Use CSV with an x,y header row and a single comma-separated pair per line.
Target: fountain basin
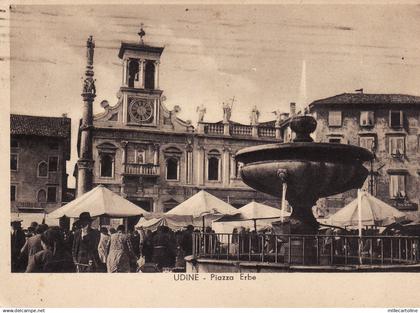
x,y
310,170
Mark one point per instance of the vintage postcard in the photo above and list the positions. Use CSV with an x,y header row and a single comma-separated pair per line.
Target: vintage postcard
x,y
210,155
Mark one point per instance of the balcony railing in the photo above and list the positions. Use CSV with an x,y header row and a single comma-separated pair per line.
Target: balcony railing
x,y
308,249
240,130
141,169
30,205
213,129
266,132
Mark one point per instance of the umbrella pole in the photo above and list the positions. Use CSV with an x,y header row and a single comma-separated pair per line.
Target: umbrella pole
x,y
204,226
255,224
359,212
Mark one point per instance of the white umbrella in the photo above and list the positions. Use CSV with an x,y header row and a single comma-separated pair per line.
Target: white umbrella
x,y
202,203
255,210
99,201
372,212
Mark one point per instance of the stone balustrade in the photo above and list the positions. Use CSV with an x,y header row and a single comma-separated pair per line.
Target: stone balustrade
x,y
141,169
239,130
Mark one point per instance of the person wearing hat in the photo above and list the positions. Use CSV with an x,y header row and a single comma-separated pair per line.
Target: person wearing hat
x,y
17,241
33,244
85,245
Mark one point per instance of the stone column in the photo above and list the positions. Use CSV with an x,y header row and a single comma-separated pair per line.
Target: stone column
x,y
85,162
278,133
226,129
141,73
232,167
225,167
254,130
156,154
124,156
125,71
200,165
156,74
189,164
200,128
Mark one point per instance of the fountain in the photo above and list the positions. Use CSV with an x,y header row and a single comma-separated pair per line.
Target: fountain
x,y
310,170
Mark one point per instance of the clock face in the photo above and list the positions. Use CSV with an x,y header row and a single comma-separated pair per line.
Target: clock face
x,y
141,110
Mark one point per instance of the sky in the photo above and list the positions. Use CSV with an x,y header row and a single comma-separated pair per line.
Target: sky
x,y
263,55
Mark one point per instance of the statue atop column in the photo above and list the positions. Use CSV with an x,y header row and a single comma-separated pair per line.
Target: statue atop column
x,y
201,112
227,112
278,115
255,115
90,44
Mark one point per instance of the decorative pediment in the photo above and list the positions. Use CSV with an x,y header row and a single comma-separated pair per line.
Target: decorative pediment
x,y
110,113
106,147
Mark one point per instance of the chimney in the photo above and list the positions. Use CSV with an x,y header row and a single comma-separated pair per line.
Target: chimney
x,y
292,108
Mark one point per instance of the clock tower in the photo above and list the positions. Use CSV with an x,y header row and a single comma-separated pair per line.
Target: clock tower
x,y
140,82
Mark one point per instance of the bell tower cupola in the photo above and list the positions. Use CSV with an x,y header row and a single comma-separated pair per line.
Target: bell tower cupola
x,y
140,81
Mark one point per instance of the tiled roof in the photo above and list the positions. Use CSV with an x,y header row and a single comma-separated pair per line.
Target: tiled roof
x,y
368,98
43,126
40,126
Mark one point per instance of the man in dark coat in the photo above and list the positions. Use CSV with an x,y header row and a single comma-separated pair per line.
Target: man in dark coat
x,y
17,241
33,244
187,240
85,245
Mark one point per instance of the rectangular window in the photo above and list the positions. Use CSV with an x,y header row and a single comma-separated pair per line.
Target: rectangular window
x,y
13,193
396,146
397,186
14,143
52,194
106,165
334,140
396,119
367,143
334,118
13,162
53,164
366,118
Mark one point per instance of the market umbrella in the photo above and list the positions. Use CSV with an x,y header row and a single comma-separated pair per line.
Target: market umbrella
x,y
366,210
258,211
174,222
255,210
202,204
99,201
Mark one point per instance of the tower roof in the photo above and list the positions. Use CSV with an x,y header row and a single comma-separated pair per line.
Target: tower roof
x,y
133,46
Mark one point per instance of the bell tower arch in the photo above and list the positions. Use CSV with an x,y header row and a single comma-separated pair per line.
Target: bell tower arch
x,y
140,82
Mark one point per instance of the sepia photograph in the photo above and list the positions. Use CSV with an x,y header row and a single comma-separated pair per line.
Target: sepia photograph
x,y
214,139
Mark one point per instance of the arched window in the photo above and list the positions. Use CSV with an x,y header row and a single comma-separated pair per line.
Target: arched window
x,y
42,196
43,169
149,77
107,165
213,168
172,169
133,72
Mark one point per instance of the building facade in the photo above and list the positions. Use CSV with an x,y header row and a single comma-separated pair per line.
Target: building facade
x,y
145,152
386,124
40,147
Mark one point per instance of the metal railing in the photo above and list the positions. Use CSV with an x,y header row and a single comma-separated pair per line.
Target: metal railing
x,y
308,249
141,169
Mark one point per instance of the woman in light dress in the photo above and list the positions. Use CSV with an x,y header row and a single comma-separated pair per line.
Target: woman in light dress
x,y
120,252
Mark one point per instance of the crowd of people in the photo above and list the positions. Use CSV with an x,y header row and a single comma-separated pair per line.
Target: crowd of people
x,y
41,248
